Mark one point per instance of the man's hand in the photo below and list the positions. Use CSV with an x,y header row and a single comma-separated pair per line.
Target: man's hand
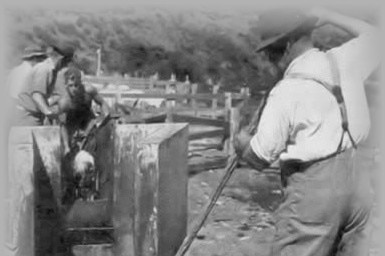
x,y
241,141
67,149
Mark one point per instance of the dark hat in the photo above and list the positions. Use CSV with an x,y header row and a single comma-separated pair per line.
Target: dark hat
x,y
33,51
279,23
66,51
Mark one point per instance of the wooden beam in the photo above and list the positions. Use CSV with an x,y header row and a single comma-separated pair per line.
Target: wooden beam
x,y
206,162
199,120
207,132
172,96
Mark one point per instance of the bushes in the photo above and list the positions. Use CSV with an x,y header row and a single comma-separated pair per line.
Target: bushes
x,y
67,29
135,43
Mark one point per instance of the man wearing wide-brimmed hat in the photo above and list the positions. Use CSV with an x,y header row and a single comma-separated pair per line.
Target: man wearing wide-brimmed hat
x,y
31,109
19,76
313,120
33,105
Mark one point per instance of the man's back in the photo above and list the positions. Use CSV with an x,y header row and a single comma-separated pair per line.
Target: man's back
x,y
309,124
42,81
19,78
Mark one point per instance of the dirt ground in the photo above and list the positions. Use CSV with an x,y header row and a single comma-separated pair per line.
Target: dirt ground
x,y
241,223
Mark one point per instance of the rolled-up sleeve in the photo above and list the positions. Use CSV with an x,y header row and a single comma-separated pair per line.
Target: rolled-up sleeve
x,y
274,126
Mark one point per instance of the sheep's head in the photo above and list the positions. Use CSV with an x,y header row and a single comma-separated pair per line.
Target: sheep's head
x,y
84,166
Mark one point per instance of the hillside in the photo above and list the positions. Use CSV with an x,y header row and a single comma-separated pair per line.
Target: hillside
x,y
140,41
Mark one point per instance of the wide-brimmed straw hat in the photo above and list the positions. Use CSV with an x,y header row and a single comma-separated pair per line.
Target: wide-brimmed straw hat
x,y
33,51
277,24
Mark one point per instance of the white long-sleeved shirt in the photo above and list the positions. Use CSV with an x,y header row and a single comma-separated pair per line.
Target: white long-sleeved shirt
x,y
301,119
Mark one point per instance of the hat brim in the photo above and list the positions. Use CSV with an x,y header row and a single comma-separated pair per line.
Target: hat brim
x,y
266,43
28,56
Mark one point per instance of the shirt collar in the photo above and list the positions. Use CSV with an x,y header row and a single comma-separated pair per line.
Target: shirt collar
x,y
298,59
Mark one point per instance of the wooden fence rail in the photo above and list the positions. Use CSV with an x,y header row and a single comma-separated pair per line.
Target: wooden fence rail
x,y
172,96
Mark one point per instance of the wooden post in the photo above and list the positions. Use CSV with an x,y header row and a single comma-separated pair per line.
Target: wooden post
x,y
214,103
194,89
118,100
227,114
245,91
153,80
186,88
169,103
235,117
173,78
99,60
228,102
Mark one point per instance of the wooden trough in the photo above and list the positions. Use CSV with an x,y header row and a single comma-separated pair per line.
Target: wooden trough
x,y
142,184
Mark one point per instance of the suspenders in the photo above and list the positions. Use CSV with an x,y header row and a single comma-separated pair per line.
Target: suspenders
x,y
336,91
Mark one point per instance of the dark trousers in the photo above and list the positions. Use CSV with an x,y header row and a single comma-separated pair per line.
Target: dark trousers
x,y
326,209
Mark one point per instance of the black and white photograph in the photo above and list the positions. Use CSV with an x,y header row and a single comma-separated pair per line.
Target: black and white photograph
x,y
187,128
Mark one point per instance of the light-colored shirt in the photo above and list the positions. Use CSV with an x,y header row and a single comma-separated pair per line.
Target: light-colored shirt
x,y
302,120
18,78
42,80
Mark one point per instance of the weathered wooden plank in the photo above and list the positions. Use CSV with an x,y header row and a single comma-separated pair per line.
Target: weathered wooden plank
x,y
172,96
199,120
47,190
140,192
147,200
20,224
103,148
35,182
172,191
132,82
157,118
124,190
199,132
202,163
93,250
48,146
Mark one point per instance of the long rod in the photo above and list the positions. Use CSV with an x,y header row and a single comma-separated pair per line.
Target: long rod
x,y
209,206
232,164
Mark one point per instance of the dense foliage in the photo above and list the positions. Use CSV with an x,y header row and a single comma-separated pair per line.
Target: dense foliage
x,y
203,45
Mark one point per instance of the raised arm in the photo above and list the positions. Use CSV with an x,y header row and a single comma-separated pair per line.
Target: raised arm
x,y
63,107
360,56
351,25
